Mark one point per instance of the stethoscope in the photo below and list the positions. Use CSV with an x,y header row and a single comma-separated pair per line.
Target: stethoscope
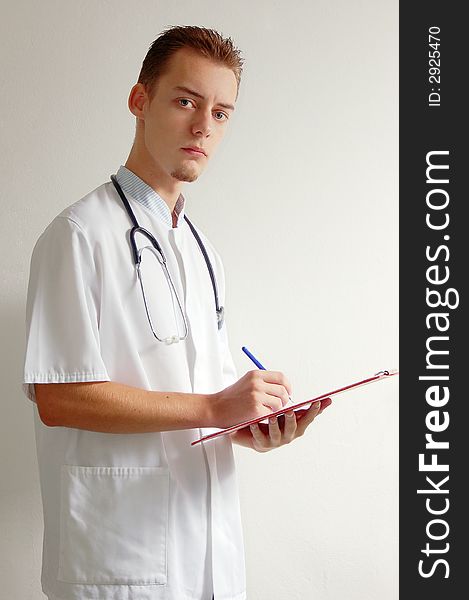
x,y
158,251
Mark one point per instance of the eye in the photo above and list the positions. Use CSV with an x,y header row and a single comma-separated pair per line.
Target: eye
x,y
185,100
221,116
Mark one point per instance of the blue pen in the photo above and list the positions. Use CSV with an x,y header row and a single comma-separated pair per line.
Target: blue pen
x,y
253,358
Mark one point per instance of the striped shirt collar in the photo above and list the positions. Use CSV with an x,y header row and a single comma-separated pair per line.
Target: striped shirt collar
x,y
146,195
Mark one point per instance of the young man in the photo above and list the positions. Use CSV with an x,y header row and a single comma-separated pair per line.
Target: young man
x,y
131,510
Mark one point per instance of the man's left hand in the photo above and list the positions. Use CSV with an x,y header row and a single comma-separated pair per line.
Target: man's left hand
x,y
262,437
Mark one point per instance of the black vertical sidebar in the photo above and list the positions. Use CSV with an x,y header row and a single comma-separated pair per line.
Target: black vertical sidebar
x,y
434,236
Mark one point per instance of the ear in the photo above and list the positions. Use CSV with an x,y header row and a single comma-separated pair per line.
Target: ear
x,y
137,99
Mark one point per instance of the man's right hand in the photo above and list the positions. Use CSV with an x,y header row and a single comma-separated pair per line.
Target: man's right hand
x,y
256,394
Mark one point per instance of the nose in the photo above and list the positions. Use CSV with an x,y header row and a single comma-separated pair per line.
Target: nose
x,y
202,124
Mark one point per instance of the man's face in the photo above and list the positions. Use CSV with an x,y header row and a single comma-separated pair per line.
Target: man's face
x,y
191,106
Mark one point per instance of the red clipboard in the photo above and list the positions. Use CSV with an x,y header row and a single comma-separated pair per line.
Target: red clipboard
x,y
377,377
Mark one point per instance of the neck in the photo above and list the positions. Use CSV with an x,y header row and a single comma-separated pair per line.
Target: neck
x,y
165,186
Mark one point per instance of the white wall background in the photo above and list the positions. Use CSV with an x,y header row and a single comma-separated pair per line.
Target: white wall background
x,y
301,202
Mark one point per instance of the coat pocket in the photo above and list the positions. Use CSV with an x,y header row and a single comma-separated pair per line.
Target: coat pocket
x,y
113,525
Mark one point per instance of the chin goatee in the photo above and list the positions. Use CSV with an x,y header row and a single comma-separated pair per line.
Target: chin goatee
x,y
183,174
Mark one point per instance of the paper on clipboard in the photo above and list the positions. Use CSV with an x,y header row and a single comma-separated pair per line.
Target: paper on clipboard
x,y
377,377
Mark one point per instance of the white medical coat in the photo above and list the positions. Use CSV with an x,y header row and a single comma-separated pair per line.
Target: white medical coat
x,y
129,516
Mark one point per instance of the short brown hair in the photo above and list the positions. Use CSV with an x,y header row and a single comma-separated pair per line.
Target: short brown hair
x,y
207,42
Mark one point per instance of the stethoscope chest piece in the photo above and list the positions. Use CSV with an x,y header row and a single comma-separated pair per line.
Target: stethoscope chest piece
x,y
220,316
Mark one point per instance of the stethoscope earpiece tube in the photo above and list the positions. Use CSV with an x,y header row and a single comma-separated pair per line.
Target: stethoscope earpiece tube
x,y
152,241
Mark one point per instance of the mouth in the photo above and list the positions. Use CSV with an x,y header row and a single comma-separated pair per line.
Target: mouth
x,y
194,151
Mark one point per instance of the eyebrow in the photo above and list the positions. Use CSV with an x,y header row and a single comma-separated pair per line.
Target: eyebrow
x,y
182,88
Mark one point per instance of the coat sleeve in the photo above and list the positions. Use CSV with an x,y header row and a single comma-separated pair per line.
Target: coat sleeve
x,y
62,310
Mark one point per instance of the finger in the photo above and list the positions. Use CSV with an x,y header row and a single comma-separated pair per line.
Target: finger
x,y
290,426
308,418
276,377
324,404
274,432
272,402
259,437
274,389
